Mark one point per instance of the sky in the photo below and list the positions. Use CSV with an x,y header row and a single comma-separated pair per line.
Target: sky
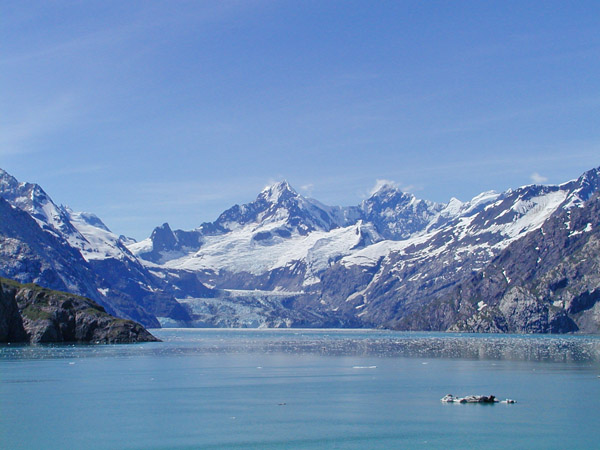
x,y
146,112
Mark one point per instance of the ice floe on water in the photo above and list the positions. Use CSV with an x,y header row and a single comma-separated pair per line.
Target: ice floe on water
x,y
486,399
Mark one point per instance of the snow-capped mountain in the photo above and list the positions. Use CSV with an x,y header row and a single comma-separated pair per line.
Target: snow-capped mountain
x,y
285,232
32,199
548,281
286,260
99,265
28,253
407,273
279,232
372,264
280,204
278,213
84,231
398,279
398,215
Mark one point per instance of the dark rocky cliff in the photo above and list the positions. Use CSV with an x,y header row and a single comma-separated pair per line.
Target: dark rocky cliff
x,y
11,324
546,282
29,313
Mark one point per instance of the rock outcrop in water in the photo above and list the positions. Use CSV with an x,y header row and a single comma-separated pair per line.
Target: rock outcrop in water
x,y
29,313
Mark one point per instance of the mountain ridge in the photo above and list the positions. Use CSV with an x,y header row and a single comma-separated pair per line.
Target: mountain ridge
x,y
375,264
59,249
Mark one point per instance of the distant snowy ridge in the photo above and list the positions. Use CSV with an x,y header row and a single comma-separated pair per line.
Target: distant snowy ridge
x,y
287,260
373,262
281,228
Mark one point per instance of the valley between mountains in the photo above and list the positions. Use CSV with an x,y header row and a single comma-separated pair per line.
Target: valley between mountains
x,y
522,261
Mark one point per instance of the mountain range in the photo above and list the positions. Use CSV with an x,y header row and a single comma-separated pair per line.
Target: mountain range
x,y
524,260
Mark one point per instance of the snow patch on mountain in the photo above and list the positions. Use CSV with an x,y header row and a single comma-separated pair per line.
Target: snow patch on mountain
x,y
241,250
533,214
100,243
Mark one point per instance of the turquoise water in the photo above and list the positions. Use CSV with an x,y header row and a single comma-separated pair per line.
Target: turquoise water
x,y
302,389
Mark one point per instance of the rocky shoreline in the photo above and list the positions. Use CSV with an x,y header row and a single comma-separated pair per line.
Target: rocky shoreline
x,y
32,314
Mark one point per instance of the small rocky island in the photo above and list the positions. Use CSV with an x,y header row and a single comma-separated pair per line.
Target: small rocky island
x,y
32,314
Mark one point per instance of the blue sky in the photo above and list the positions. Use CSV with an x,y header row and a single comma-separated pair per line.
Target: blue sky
x,y
145,112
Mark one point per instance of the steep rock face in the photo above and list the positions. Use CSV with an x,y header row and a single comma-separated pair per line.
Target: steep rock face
x,y
547,282
27,251
75,252
123,276
11,323
30,254
398,278
52,316
398,215
165,244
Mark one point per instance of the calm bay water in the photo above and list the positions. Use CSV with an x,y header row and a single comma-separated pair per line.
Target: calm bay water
x,y
302,389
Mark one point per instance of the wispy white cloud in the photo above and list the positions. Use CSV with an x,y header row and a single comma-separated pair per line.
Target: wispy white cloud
x,y
95,40
17,130
307,188
411,188
382,183
81,170
537,178
537,110
141,20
